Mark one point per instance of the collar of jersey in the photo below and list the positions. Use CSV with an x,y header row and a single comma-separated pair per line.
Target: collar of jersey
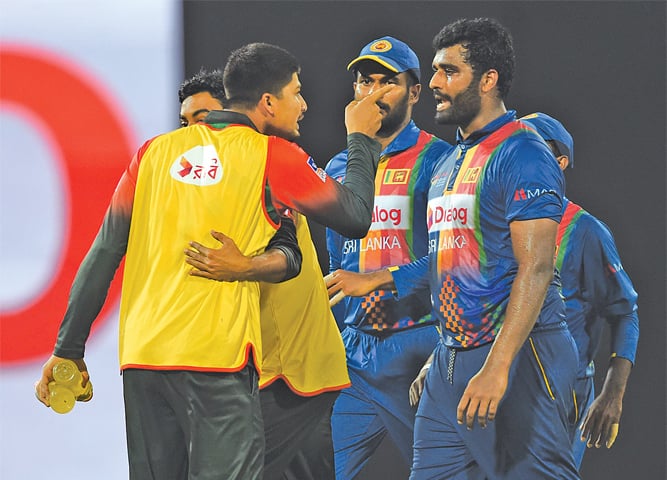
x,y
404,140
216,117
487,129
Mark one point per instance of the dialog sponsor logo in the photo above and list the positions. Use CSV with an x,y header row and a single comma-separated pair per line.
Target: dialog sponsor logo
x,y
390,212
198,166
450,211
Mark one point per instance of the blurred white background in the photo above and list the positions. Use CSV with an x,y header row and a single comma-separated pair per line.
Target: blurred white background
x,y
128,54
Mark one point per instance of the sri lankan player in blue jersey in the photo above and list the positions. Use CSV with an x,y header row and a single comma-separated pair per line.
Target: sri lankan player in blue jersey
x,y
506,357
499,175
386,339
597,290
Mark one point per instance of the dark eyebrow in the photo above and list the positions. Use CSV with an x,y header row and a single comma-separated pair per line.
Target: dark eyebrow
x,y
201,110
445,65
195,113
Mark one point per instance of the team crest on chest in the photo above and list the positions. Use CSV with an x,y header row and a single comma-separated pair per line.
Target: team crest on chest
x,y
471,175
396,176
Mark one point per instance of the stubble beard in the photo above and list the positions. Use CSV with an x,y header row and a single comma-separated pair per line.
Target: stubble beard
x,y
462,109
394,119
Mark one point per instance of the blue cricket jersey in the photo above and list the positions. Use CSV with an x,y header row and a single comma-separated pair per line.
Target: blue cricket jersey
x,y
595,287
501,173
397,234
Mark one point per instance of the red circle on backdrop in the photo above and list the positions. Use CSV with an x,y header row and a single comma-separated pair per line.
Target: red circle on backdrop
x,y
95,149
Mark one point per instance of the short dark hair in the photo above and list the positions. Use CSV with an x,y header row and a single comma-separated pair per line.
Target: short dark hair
x,y
255,69
488,46
554,148
203,81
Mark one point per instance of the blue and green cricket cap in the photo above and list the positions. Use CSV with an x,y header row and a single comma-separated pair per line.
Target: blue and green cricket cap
x,y
391,53
551,129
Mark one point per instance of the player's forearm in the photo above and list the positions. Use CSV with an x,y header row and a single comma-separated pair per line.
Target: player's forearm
x,y
357,204
411,278
617,377
91,285
428,362
271,267
525,302
380,280
341,283
282,259
533,245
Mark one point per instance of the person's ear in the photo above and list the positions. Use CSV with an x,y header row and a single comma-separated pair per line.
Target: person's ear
x,y
414,92
488,81
563,162
265,104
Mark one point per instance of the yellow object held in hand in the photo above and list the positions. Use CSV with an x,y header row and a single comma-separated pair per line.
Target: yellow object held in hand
x,y
66,387
612,435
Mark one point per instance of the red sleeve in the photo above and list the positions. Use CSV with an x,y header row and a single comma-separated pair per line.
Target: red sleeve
x,y
123,197
297,182
295,179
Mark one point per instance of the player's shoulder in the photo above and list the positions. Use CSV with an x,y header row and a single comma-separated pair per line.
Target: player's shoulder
x,y
435,147
336,166
432,138
588,224
281,147
440,149
527,150
437,144
525,137
162,141
594,225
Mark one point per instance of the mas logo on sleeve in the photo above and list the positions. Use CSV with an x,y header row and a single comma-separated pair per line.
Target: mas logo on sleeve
x,y
522,194
318,171
198,166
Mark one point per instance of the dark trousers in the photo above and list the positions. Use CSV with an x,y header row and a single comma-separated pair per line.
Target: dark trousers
x,y
184,425
529,438
297,430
